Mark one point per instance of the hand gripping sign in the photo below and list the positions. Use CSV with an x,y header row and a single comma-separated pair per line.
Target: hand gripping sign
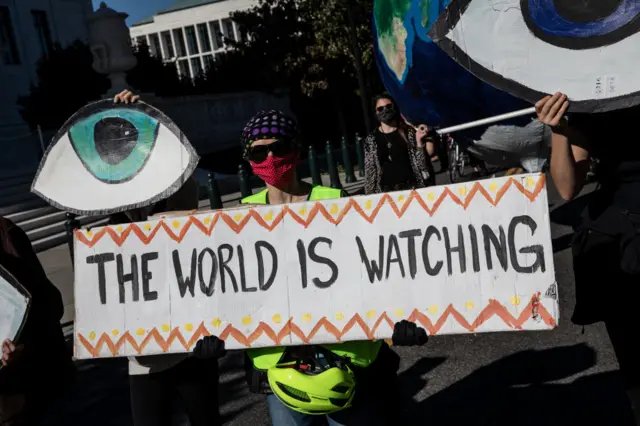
x,y
466,258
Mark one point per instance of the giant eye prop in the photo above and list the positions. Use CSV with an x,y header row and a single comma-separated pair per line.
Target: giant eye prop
x,y
110,158
530,48
14,306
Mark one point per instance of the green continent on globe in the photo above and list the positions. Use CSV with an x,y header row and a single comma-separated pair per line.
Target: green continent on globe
x,y
389,17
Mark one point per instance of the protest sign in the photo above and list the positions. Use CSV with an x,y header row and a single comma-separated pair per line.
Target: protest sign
x,y
14,306
466,258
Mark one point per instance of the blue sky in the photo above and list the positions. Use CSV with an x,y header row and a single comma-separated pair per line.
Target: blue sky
x,y
136,9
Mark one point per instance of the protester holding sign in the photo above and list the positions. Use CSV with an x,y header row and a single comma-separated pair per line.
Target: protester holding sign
x,y
606,248
154,380
395,153
349,382
37,367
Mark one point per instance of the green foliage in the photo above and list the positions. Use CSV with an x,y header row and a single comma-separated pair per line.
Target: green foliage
x,y
66,82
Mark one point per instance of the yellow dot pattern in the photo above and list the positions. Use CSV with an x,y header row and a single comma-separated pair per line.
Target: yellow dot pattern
x,y
493,187
268,216
175,224
431,196
89,233
165,328
119,228
515,300
302,211
368,204
147,227
207,220
140,332
334,209
237,217
399,313
433,309
276,318
92,335
216,322
371,314
462,190
114,332
246,320
401,198
530,182
188,327
469,305
339,316
307,318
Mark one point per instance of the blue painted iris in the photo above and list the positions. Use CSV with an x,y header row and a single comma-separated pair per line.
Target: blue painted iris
x,y
114,145
582,25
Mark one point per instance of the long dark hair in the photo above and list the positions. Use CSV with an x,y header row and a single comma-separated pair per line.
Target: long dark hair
x,y
402,127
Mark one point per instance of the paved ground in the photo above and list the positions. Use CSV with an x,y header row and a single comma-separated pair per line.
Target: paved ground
x,y
564,377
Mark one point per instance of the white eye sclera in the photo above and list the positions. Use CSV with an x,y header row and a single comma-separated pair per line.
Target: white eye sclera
x,y
530,48
110,158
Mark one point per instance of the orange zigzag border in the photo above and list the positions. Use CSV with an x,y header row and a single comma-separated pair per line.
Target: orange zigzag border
x,y
318,209
493,308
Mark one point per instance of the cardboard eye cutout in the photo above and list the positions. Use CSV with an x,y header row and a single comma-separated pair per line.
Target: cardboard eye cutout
x,y
109,158
14,306
530,48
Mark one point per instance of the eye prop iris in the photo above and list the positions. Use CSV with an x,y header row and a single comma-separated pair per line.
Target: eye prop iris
x,y
114,145
586,24
587,49
110,158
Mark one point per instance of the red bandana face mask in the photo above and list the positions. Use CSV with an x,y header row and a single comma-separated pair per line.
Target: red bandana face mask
x,y
276,171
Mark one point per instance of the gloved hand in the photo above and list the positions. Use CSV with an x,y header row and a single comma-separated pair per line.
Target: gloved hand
x,y
407,333
209,347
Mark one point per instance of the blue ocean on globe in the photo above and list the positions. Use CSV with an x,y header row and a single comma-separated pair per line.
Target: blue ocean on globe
x,y
429,86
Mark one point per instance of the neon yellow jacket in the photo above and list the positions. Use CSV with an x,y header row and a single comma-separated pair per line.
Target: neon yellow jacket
x,y
361,353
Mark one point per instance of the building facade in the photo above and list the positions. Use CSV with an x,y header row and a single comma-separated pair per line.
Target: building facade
x,y
28,30
191,32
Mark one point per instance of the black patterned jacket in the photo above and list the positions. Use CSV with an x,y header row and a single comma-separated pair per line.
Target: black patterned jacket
x,y
420,163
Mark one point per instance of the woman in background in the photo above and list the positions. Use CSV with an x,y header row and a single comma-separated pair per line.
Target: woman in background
x,y
397,157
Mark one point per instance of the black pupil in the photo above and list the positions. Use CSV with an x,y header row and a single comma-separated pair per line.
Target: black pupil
x,y
582,11
114,138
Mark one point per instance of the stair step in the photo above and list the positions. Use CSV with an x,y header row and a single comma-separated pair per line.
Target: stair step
x,y
45,219
60,238
22,206
57,227
27,214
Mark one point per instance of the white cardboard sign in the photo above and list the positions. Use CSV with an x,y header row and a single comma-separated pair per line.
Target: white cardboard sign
x,y
465,258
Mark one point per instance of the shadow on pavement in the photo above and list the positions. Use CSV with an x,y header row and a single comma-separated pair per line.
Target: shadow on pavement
x,y
517,390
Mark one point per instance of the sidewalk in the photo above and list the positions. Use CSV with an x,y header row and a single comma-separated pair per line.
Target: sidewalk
x,y
57,261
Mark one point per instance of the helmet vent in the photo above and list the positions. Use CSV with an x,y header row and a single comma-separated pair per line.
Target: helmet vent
x,y
294,393
341,388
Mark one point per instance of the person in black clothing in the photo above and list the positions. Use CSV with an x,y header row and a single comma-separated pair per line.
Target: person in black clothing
x,y
606,246
37,368
396,157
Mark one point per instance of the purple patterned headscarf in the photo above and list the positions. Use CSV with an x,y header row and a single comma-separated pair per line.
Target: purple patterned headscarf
x,y
268,125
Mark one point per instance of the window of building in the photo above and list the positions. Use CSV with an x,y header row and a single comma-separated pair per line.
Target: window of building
x,y
181,48
41,24
227,29
203,33
183,67
208,62
156,49
192,42
168,45
217,35
196,66
141,41
8,45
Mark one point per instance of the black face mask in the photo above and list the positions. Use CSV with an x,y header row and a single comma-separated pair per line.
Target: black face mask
x,y
387,115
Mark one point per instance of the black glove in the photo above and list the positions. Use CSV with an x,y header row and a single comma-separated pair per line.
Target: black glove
x,y
209,347
407,333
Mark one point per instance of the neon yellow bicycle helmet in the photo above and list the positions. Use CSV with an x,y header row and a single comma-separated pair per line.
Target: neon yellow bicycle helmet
x,y
323,386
